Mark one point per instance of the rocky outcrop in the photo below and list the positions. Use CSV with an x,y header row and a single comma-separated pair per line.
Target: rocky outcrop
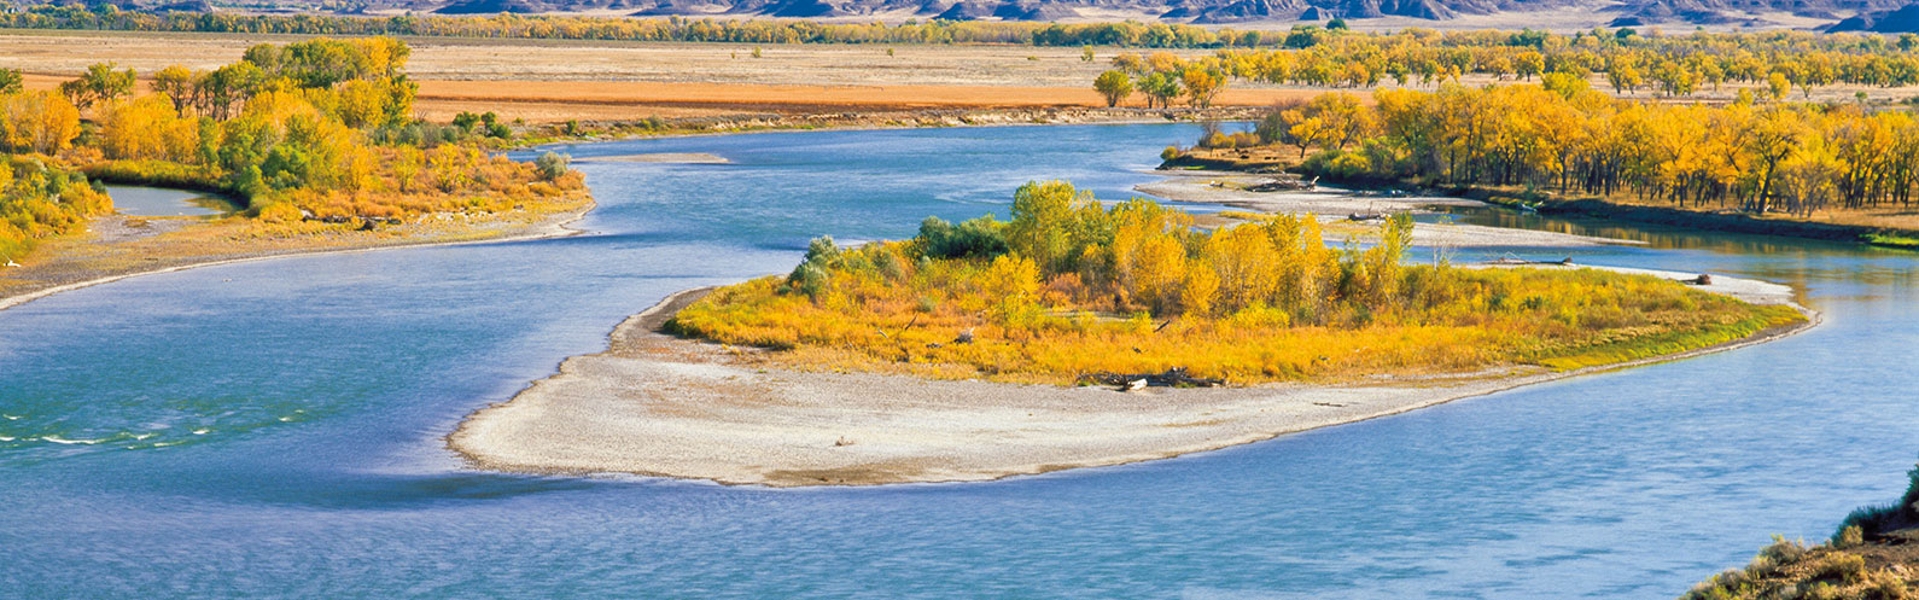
x,y
1903,20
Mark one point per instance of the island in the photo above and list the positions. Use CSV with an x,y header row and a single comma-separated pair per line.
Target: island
x,y
1081,334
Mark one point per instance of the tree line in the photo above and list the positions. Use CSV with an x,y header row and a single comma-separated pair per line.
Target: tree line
x,y
1757,157
1673,66
669,29
1776,63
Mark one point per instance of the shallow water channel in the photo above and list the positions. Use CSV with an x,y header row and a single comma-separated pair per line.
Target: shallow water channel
x,y
166,202
274,428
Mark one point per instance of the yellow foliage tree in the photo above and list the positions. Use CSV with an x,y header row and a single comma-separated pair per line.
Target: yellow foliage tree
x,y
41,122
148,127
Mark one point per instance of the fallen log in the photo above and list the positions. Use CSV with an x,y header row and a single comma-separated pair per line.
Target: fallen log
x,y
1173,377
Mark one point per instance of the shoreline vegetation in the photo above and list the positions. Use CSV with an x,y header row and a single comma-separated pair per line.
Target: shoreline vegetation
x,y
954,356
1833,172
313,140
1871,557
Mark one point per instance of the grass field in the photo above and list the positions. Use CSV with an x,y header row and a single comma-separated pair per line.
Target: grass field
x,y
553,81
548,81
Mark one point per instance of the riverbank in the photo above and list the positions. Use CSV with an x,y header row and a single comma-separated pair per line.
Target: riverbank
x,y
1887,226
866,118
658,405
116,247
1337,209
1875,554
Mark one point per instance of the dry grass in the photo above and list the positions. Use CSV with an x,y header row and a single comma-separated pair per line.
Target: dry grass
x,y
537,101
553,81
548,81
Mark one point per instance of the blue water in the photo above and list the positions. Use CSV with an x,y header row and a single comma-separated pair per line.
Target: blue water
x,y
163,202
274,428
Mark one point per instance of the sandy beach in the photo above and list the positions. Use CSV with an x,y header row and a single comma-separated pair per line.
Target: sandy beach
x,y
654,404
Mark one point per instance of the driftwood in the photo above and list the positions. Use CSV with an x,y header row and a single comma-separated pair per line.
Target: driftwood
x,y
1174,377
1285,185
1510,260
366,222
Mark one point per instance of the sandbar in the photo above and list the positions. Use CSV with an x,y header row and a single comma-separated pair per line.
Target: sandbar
x,y
658,405
1334,205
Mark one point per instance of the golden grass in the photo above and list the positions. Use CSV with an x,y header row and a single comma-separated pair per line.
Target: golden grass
x,y
1493,318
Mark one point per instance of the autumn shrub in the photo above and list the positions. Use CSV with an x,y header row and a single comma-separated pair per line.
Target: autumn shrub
x,y
552,165
39,200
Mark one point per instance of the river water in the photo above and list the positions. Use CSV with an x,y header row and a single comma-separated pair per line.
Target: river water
x,y
274,428
161,202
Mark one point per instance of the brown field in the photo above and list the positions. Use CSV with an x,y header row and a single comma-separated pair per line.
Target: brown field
x,y
546,81
558,101
551,81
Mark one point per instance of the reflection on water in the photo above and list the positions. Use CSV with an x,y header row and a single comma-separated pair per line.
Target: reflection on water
x,y
1654,236
164,202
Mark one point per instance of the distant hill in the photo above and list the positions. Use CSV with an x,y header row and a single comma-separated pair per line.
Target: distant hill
x,y
1629,12
1864,15
1728,12
1902,20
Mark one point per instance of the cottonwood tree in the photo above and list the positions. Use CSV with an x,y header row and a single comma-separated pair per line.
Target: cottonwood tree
x,y
1202,85
40,122
99,84
1160,89
1114,85
178,84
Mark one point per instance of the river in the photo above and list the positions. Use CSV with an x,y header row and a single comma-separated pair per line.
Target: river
x,y
274,428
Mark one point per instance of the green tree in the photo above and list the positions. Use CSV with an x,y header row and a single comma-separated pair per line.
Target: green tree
x,y
1048,224
1160,88
1114,85
99,84
178,84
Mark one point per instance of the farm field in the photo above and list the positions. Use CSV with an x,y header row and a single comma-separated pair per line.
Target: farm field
x,y
552,81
